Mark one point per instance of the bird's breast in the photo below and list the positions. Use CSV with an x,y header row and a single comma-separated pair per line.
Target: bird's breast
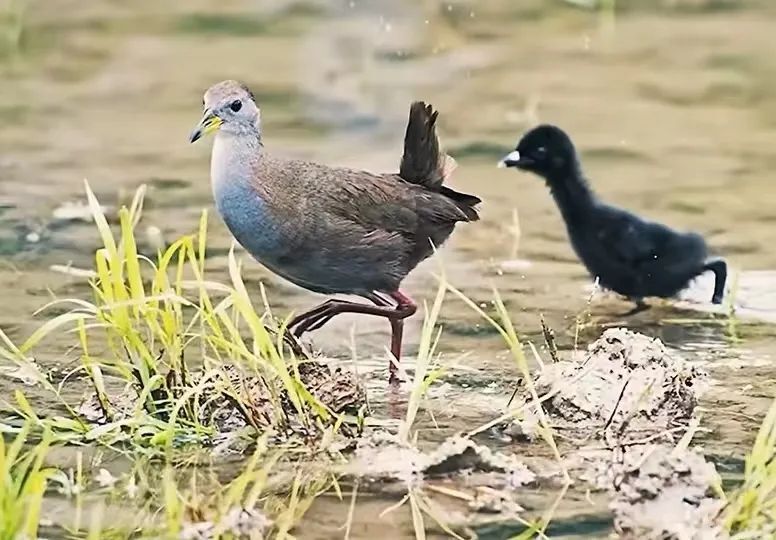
x,y
247,212
250,219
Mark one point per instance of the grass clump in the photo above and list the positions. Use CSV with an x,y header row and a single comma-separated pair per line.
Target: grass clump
x,y
23,482
172,358
260,502
751,509
264,496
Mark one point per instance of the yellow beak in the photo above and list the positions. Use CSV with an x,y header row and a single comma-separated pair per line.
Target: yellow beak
x,y
209,123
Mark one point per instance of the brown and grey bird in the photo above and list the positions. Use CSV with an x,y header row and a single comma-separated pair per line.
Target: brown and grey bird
x,y
332,230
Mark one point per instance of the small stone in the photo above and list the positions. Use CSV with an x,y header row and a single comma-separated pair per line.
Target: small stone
x,y
105,479
155,238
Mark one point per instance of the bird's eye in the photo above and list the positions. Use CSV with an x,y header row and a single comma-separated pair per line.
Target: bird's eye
x,y
541,152
236,105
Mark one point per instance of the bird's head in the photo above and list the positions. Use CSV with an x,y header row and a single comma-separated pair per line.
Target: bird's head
x,y
545,150
228,106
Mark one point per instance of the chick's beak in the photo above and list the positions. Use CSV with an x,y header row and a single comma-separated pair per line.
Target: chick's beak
x,y
209,123
512,159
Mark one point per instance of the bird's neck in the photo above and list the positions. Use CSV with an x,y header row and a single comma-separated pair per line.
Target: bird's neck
x,y
235,160
572,193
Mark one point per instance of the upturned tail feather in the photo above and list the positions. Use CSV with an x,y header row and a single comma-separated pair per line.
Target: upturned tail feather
x,y
423,162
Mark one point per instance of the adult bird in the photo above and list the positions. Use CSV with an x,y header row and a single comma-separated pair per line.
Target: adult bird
x,y
629,255
332,230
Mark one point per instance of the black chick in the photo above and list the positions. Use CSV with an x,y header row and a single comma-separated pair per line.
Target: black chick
x,y
629,255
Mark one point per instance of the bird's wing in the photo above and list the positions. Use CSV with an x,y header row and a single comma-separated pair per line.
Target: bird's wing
x,y
633,240
381,201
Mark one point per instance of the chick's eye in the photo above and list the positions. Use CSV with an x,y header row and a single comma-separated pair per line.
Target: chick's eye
x,y
236,105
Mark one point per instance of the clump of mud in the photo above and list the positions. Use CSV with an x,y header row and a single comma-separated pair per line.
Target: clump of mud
x,y
627,382
248,400
237,523
628,392
482,481
458,454
384,456
231,398
480,484
658,491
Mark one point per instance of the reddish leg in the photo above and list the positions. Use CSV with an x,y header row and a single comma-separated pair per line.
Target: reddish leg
x,y
406,306
320,315
397,329
312,316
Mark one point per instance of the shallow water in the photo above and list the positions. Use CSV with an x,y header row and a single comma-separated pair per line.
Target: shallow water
x,y
669,104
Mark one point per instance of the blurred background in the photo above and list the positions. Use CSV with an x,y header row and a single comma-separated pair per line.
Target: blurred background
x,y
671,103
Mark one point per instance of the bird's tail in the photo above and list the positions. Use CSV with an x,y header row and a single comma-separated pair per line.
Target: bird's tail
x,y
424,163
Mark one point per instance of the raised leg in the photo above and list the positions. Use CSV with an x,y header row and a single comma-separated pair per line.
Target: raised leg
x,y
313,313
320,315
292,338
719,267
404,308
314,324
321,320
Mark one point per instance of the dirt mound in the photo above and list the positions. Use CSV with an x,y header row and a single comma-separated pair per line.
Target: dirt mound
x,y
659,491
383,455
231,397
627,382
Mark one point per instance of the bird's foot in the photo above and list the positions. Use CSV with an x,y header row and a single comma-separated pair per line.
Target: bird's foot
x,y
394,378
640,306
294,345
